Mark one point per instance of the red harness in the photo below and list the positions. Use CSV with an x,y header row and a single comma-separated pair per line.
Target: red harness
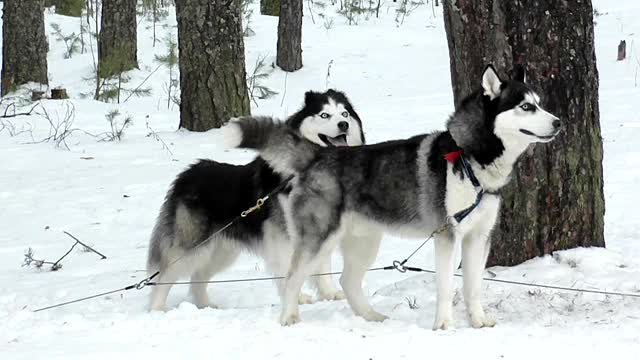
x,y
453,157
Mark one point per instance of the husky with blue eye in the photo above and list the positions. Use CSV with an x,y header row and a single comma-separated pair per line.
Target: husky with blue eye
x,y
209,194
411,187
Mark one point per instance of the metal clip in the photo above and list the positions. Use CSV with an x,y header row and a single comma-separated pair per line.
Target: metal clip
x,y
142,284
399,266
258,205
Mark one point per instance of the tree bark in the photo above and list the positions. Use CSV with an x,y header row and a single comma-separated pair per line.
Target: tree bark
x,y
555,200
117,44
212,65
270,7
24,44
289,57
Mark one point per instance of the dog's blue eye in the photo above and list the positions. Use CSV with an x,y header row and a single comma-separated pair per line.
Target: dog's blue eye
x,y
345,114
527,107
324,115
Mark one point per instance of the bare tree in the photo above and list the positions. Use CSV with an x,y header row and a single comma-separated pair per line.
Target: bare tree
x,y
270,7
213,85
24,44
118,44
67,7
556,199
289,57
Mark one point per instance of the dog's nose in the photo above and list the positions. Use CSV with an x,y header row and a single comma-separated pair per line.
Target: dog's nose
x,y
557,124
343,126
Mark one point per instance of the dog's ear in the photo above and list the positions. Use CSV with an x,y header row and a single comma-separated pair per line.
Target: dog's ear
x,y
520,74
310,97
491,82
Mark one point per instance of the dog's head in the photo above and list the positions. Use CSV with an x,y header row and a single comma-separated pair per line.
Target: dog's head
x,y
328,119
502,114
519,114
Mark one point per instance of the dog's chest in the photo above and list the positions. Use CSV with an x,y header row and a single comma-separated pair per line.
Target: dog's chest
x,y
460,193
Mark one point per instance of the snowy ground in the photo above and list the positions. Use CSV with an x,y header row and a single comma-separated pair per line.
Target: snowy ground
x,y
108,194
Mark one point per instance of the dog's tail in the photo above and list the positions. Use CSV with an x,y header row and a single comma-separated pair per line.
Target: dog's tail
x,y
281,147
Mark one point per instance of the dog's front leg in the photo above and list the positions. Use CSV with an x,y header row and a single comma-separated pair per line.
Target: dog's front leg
x,y
475,250
474,257
445,262
359,250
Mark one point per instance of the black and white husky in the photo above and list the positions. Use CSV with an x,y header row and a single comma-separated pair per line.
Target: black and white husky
x,y
208,194
405,186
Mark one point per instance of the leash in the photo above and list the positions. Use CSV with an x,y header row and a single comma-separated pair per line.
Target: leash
x,y
400,266
397,265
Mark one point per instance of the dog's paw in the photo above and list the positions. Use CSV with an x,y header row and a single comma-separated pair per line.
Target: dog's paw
x,y
480,320
204,305
288,320
331,296
158,307
372,315
305,299
442,322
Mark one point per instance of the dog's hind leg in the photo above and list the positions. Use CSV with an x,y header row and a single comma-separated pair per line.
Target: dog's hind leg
x,y
303,263
159,293
160,257
277,253
324,284
445,263
223,254
305,260
359,250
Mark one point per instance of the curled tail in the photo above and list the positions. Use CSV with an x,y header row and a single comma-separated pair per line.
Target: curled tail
x,y
281,147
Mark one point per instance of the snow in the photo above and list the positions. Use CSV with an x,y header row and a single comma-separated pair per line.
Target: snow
x,y
108,194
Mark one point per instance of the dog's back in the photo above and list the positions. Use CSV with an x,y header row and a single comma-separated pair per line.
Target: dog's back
x,y
206,196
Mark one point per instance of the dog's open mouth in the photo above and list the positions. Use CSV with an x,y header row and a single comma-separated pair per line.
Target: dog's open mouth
x,y
340,140
548,137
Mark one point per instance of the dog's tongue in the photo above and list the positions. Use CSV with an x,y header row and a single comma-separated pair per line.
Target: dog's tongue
x,y
340,140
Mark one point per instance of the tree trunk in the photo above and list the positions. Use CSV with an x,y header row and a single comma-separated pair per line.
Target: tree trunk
x,y
117,44
289,56
67,7
24,50
270,7
555,200
212,67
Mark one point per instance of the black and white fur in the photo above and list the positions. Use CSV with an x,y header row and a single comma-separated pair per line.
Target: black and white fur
x,y
208,194
404,187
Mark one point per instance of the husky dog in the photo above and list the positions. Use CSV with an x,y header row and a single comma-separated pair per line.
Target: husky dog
x,y
405,186
208,194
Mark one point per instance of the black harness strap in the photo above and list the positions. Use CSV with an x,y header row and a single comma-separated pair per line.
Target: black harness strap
x,y
468,172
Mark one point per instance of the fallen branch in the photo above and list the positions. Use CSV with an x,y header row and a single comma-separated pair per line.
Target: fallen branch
x,y
30,260
86,246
